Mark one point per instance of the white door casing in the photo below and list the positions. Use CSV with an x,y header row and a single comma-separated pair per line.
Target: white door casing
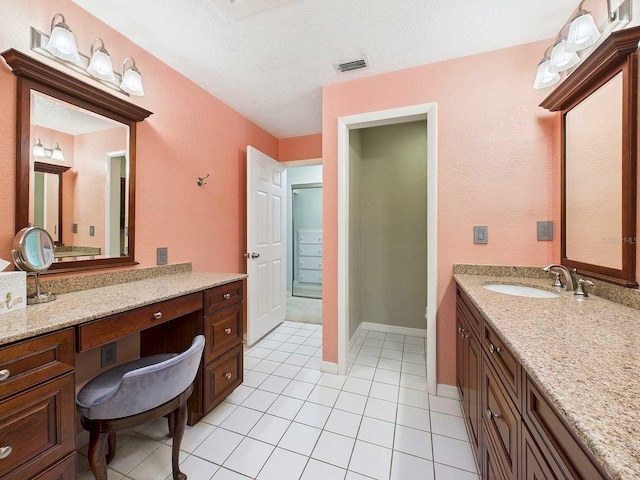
x,y
266,244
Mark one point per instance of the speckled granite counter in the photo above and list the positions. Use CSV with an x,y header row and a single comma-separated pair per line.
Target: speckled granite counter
x,y
584,354
82,306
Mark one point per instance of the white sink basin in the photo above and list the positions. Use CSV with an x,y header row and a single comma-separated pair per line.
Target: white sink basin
x,y
521,291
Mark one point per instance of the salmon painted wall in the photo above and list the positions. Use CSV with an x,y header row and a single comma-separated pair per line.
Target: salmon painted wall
x,y
498,165
300,148
190,134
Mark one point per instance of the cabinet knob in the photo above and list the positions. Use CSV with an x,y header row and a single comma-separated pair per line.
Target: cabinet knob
x,y
4,374
5,451
464,335
491,415
157,315
227,375
227,296
494,349
227,331
460,329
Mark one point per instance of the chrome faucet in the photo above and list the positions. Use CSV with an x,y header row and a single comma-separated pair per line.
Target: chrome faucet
x,y
569,276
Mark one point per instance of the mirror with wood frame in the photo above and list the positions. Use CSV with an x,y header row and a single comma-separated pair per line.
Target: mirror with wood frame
x,y
598,104
73,134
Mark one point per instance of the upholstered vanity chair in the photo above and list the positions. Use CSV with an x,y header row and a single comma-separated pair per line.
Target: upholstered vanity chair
x,y
135,393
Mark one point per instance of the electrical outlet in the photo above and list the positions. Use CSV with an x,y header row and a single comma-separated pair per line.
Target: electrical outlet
x,y
481,234
75,228
162,254
108,354
92,231
545,231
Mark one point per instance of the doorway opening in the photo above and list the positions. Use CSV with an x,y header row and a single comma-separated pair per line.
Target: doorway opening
x,y
368,240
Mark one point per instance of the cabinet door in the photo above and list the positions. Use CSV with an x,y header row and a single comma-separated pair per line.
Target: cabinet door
x,y
473,383
460,358
534,464
490,466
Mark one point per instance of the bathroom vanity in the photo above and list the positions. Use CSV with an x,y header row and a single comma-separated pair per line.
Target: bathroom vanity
x,y
549,386
38,348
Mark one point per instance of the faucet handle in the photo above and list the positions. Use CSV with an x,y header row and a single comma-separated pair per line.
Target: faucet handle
x,y
557,283
581,291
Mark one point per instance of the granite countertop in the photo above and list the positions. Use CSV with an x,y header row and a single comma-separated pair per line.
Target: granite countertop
x,y
85,305
584,355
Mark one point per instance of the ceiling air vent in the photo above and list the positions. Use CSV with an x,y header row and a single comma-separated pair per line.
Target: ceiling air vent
x,y
352,65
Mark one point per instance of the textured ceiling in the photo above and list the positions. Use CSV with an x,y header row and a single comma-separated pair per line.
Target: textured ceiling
x,y
271,66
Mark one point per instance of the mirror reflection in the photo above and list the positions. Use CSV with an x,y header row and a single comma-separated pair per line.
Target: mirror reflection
x,y
79,179
593,176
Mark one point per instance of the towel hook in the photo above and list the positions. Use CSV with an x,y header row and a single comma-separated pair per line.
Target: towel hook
x,y
201,180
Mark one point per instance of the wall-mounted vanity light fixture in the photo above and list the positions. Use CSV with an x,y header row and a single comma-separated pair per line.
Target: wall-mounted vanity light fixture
x,y
54,153
100,65
201,180
60,45
583,33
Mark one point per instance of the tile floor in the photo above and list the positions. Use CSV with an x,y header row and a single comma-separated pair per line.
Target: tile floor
x,y
289,421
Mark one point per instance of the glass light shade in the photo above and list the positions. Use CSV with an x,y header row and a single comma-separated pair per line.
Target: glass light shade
x,y
101,66
62,44
56,153
544,77
38,149
132,82
562,60
583,32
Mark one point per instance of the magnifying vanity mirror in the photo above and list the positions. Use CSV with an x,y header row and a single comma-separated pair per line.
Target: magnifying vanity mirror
x,y
75,165
598,104
33,252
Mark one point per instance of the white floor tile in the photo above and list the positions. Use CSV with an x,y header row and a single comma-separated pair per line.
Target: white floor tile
x,y
138,448
448,426
258,352
288,347
454,453
355,476
260,400
362,371
290,330
297,359
373,351
306,350
274,384
391,354
250,362
372,342
224,474
332,381
269,429
280,337
414,369
384,391
392,337
366,360
313,342
239,395
270,344
357,385
242,420
414,398
413,381
218,446
414,442
395,346
266,366
324,396
371,460
388,364
287,371
413,340
414,358
111,475
278,356
313,414
408,467
322,471
413,417
283,465
249,457
387,376
285,407
300,438
194,436
377,335
197,469
377,432
351,402
309,375
344,423
155,466
334,449
253,378
314,362
298,339
445,405
410,348
445,472
298,389
381,409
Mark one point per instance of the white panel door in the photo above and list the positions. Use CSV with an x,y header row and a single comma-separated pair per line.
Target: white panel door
x,y
266,249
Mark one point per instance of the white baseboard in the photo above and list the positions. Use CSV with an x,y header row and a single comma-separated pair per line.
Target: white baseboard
x,y
354,337
329,367
448,391
379,327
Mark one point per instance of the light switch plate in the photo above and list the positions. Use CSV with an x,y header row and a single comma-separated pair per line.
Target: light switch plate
x,y
162,254
545,231
481,234
75,228
92,231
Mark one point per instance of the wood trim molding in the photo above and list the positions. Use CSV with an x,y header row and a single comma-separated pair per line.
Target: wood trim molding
x,y
28,67
49,168
611,53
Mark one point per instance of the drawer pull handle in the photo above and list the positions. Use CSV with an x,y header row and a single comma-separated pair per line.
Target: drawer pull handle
x,y
491,415
227,331
4,374
464,335
228,375
227,296
157,315
494,349
5,452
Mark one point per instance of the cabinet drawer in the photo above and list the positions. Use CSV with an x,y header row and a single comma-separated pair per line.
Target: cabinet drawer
x,y
102,331
222,376
309,276
468,311
548,430
64,470
491,469
534,462
310,263
508,369
501,420
35,360
222,329
310,250
224,296
39,426
310,236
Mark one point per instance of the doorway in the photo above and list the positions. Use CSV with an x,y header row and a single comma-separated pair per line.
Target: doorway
x,y
348,256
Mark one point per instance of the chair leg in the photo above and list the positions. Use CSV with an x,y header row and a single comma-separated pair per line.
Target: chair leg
x,y
112,447
171,420
180,416
97,454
